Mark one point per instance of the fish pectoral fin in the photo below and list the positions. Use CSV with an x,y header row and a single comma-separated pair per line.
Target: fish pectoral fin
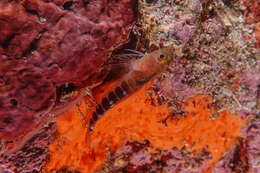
x,y
141,77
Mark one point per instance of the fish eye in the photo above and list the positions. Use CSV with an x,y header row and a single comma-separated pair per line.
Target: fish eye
x,y
161,56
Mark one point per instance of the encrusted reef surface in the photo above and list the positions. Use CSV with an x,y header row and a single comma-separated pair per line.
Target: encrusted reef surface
x,y
133,157
217,54
215,50
30,157
45,44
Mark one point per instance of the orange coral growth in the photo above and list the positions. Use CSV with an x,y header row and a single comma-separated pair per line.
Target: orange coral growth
x,y
136,119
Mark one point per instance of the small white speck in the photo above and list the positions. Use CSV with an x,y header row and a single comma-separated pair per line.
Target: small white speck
x,y
42,20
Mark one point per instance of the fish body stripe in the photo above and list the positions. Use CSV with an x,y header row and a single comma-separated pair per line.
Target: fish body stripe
x,y
141,71
107,102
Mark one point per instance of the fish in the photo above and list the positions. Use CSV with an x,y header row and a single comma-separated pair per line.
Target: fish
x,y
140,72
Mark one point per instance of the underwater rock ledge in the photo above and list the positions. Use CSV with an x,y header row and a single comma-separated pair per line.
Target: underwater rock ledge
x,y
46,44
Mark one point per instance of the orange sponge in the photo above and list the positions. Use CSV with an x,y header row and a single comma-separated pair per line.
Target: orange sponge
x,y
135,118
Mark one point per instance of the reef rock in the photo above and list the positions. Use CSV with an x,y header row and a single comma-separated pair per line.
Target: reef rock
x,y
25,96
44,44
30,157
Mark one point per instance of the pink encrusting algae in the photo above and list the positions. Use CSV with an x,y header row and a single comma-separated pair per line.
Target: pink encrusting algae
x,y
252,16
47,44
48,50
136,119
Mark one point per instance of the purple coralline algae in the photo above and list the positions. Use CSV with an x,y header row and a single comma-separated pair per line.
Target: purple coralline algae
x,y
211,57
26,95
30,157
45,44
134,157
253,145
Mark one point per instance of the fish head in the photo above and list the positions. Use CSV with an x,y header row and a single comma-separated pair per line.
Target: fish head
x,y
163,56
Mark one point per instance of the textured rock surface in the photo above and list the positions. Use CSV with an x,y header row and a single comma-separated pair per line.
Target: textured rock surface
x,y
243,157
253,145
134,157
48,43
168,23
26,96
234,160
32,156
252,17
216,54
211,54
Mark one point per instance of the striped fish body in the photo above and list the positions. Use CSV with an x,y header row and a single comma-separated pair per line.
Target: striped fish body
x,y
140,72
